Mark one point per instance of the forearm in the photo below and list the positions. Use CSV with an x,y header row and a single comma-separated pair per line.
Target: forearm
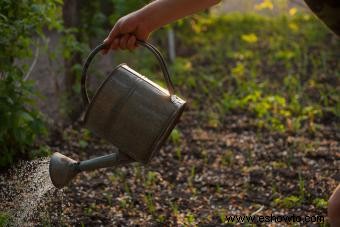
x,y
162,12
139,24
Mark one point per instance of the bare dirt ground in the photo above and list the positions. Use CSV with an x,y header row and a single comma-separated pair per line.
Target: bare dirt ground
x,y
205,175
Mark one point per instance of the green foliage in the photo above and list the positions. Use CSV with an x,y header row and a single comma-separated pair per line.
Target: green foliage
x,y
42,151
151,179
302,189
94,20
282,70
320,203
122,7
288,202
20,122
175,136
19,21
150,204
190,219
249,63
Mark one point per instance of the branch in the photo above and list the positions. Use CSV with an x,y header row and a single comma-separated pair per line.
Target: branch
x,y
36,55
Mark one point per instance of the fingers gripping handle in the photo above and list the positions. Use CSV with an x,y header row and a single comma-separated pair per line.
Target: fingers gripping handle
x,y
102,46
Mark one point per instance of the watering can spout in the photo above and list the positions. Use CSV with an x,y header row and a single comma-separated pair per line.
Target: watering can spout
x,y
63,169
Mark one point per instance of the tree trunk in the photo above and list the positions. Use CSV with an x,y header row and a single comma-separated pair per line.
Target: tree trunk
x,y
71,18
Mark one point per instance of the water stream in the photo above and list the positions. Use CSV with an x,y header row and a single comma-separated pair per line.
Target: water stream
x,y
23,188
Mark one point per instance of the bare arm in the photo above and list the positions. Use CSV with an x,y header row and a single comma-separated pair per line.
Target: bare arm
x,y
139,24
162,12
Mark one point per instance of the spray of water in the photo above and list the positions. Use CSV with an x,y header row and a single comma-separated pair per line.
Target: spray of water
x,y
22,190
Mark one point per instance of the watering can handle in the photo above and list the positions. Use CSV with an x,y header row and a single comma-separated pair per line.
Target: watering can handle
x,y
150,47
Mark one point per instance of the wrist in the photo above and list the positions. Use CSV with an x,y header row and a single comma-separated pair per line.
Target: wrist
x,y
146,22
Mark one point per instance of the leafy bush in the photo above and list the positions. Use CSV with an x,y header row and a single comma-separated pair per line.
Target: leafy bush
x,y
20,122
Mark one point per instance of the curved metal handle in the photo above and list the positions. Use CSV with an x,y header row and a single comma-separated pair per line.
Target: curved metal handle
x,y
102,46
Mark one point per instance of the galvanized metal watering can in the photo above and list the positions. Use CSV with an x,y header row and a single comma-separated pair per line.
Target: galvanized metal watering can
x,y
128,110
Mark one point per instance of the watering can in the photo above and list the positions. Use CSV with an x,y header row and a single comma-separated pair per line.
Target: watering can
x,y
128,110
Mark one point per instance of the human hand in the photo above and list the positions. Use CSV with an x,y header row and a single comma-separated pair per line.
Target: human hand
x,y
126,32
139,24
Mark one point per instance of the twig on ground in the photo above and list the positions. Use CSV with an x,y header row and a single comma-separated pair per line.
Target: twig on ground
x,y
258,211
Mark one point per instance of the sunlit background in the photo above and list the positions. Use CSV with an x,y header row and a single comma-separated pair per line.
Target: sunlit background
x,y
260,134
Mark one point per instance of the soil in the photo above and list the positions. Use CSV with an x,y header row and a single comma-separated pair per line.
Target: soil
x,y
209,173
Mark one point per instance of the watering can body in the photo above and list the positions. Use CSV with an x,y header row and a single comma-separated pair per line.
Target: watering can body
x,y
128,110
132,112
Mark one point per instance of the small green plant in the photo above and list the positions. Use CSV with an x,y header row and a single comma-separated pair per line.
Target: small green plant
x,y
205,156
190,219
83,143
191,176
113,178
89,210
302,190
249,157
151,178
138,171
288,202
279,165
118,175
213,120
124,202
174,208
178,152
320,203
222,215
161,218
175,136
108,197
150,203
127,188
227,158
218,188
85,134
